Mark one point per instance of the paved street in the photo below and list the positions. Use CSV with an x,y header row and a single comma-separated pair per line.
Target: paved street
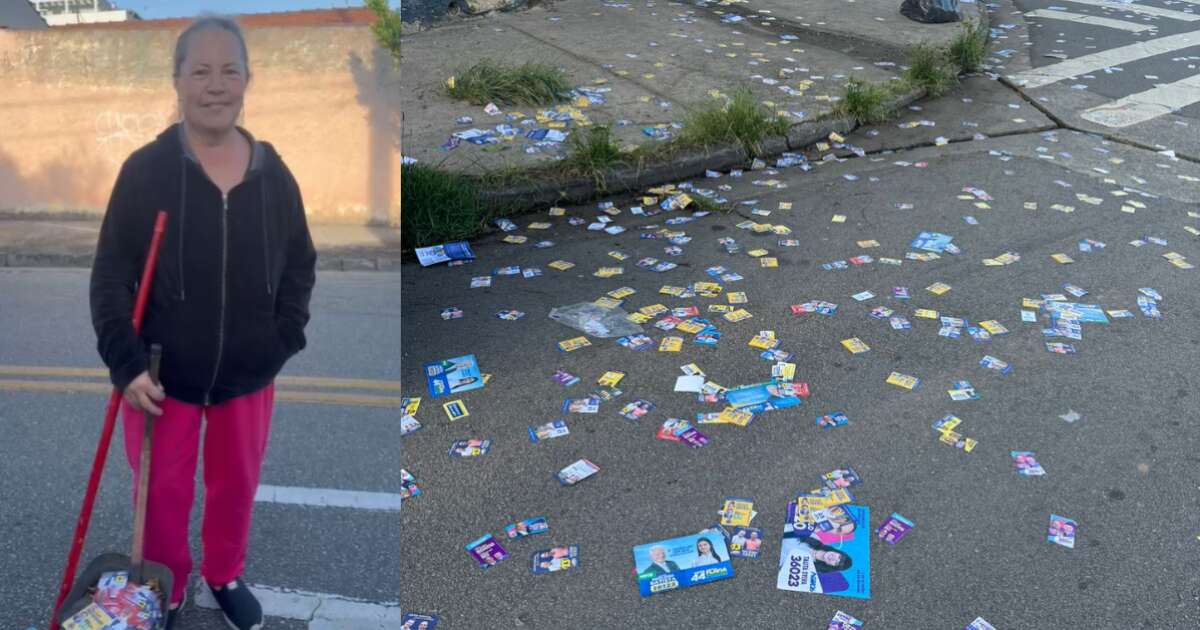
x,y
1126,69
1123,468
325,527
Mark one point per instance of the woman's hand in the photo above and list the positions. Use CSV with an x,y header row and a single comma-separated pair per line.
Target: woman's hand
x,y
142,393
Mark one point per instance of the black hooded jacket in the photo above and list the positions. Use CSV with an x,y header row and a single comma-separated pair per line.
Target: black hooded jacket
x,y
229,300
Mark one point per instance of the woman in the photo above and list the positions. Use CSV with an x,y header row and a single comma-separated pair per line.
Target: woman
x,y
705,554
229,306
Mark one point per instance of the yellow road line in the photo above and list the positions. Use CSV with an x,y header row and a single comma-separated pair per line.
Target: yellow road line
x,y
284,395
298,381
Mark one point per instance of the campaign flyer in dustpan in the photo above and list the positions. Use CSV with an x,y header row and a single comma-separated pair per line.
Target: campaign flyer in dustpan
x,y
836,562
681,562
453,376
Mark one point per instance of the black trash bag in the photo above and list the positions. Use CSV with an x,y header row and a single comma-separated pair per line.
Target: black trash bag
x,y
931,11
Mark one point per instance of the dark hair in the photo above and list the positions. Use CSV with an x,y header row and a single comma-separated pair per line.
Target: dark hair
x,y
210,22
823,567
710,548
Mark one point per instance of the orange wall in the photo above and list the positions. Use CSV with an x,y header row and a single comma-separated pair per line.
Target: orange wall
x,y
75,102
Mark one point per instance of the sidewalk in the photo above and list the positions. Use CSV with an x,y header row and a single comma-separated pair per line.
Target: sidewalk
x,y
646,65
65,243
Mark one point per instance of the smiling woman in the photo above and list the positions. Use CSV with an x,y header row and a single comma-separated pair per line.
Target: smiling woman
x,y
229,306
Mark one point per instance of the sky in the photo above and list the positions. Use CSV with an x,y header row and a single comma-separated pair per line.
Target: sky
x,y
155,9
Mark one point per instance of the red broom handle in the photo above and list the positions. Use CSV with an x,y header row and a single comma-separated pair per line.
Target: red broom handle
x,y
110,421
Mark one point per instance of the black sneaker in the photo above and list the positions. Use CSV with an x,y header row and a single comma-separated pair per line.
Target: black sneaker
x,y
242,611
173,613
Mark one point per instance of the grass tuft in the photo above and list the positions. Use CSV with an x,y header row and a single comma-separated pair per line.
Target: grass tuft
x,y
491,82
742,119
929,68
438,206
968,50
865,102
592,151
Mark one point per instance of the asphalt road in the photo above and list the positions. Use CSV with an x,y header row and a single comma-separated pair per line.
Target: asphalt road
x,y
50,436
1139,85
1126,471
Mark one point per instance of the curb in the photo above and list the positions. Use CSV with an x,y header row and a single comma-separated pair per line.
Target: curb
x,y
13,260
622,180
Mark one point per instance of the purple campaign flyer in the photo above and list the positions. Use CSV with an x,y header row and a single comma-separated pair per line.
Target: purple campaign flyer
x,y
894,528
486,550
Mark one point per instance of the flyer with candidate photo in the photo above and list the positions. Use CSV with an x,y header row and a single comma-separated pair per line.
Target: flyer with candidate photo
x,y
554,560
453,376
746,542
681,562
834,562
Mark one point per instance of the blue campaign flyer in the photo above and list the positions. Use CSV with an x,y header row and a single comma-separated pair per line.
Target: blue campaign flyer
x,y
453,376
834,562
681,562
764,396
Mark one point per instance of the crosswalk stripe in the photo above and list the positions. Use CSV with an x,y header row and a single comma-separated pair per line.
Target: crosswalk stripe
x,y
1079,18
323,611
328,497
1143,106
1038,77
1144,9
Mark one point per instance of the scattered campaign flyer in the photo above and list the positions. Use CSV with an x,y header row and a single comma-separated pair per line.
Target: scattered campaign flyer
x,y
577,472
829,421
840,478
408,485
470,448
844,621
527,527
746,542
548,431
486,550
581,405
979,624
1061,531
766,396
737,512
453,376
894,528
636,409
1026,464
418,621
555,559
681,562
834,563
458,250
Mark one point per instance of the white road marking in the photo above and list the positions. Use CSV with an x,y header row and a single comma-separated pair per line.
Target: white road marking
x,y
328,497
322,610
1038,77
1079,18
1144,9
1143,106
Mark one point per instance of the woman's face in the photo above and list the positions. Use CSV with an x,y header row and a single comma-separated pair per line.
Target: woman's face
x,y
704,547
212,81
832,558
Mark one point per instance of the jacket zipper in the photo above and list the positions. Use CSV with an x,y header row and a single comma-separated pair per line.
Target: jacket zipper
x,y
221,321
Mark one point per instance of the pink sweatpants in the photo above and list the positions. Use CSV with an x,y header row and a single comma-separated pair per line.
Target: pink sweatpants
x,y
235,442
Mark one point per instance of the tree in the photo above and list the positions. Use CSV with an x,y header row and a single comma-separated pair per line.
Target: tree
x,y
386,27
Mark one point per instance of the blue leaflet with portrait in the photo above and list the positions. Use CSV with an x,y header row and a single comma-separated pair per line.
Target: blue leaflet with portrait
x,y
836,562
453,376
681,562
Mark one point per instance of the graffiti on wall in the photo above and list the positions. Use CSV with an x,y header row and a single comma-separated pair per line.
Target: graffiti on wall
x,y
120,133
